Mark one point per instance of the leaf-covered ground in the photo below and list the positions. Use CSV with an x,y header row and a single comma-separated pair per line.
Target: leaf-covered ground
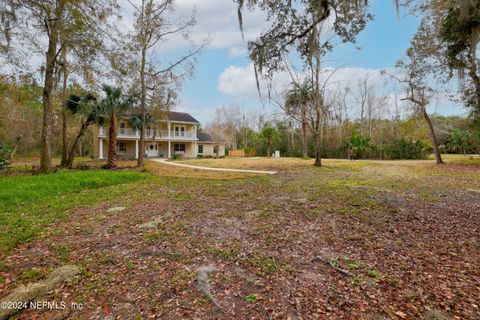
x,y
352,240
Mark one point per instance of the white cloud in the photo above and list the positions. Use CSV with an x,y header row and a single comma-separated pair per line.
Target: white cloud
x,y
237,81
216,20
240,82
235,51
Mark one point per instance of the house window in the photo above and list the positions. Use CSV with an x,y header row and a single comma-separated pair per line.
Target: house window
x,y
122,147
200,148
179,147
122,128
179,131
149,131
215,149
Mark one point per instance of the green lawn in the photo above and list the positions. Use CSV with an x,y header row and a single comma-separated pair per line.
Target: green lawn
x,y
29,203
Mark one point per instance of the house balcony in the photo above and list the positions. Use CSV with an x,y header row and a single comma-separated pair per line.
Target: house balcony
x,y
159,135
128,133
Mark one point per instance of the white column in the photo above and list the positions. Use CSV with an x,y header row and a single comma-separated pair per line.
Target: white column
x,y
100,150
195,148
169,150
169,131
195,131
136,149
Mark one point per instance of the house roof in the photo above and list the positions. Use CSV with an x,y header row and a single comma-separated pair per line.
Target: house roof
x,y
180,116
205,137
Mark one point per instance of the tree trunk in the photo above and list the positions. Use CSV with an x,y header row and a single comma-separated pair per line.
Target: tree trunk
x,y
46,152
143,95
73,147
438,156
15,147
63,163
269,151
112,142
475,78
318,150
318,100
304,133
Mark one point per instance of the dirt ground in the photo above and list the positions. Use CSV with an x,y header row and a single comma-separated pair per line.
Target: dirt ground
x,y
351,240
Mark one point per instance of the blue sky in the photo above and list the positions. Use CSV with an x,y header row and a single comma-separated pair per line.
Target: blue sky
x,y
224,79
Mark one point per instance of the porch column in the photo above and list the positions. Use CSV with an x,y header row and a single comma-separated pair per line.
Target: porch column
x,y
195,131
168,124
136,149
169,148
195,148
100,150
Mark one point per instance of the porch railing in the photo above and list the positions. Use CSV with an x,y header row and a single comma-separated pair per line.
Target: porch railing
x,y
160,134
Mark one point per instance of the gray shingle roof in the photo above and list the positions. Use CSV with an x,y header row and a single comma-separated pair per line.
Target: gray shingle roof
x,y
180,116
203,136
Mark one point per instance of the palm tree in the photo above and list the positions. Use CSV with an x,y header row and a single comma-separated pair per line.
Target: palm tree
x,y
269,134
296,103
87,107
114,104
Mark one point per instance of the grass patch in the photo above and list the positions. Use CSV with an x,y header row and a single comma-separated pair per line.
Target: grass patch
x,y
18,192
30,203
268,265
32,275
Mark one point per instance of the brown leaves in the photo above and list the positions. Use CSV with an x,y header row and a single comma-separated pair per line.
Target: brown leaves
x,y
405,250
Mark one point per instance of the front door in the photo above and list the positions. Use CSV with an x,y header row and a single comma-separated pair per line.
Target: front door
x,y
151,149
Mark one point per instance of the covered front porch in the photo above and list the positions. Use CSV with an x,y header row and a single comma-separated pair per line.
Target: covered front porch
x,y
128,149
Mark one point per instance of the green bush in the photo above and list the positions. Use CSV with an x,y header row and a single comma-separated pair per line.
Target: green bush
x,y
4,156
402,149
359,145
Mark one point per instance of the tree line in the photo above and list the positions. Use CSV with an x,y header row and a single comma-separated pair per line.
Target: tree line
x,y
400,135
83,45
442,51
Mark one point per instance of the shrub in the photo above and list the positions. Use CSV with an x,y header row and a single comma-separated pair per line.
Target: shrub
x,y
359,145
402,149
4,156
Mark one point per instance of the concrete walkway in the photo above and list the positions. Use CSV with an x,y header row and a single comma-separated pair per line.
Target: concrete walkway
x,y
171,163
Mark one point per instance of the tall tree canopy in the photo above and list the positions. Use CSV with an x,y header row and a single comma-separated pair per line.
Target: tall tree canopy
x,y
292,23
51,26
460,30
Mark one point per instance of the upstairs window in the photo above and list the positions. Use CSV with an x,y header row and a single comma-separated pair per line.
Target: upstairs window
x,y
179,131
122,128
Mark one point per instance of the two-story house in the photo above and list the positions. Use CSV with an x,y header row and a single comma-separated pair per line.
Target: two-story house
x,y
176,134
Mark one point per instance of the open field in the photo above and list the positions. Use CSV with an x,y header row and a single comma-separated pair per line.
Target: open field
x,y
351,240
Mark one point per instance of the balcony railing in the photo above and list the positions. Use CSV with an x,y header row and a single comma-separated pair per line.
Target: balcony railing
x,y
161,134
128,132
